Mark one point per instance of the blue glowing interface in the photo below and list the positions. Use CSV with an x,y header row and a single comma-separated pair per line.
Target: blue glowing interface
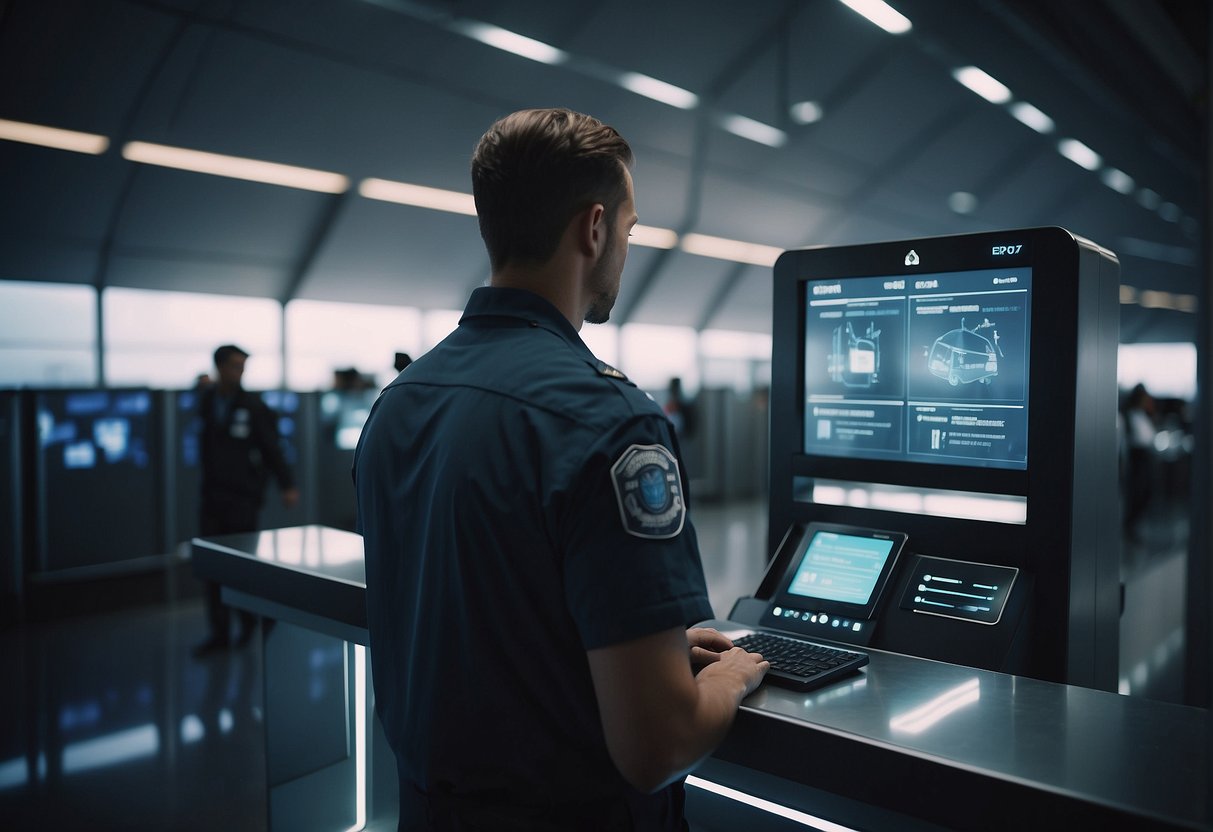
x,y
929,368
841,567
97,427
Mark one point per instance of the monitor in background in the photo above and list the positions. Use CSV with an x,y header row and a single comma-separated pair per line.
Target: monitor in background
x,y
96,474
931,368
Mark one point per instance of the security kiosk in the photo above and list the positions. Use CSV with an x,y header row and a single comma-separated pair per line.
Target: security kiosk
x,y
943,469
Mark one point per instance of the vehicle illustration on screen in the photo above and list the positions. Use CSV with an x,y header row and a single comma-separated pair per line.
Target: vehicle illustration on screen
x,y
855,361
963,356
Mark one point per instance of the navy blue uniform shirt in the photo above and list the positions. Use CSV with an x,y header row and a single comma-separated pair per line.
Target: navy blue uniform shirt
x,y
521,503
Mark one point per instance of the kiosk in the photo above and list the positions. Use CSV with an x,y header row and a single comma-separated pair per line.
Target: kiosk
x,y
959,392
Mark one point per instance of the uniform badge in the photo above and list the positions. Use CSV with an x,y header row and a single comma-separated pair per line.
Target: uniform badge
x,y
648,488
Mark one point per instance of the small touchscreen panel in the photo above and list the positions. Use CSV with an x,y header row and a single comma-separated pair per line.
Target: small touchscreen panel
x,y
841,569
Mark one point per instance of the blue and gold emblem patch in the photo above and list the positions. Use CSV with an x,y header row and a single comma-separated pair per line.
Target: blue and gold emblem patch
x,y
649,490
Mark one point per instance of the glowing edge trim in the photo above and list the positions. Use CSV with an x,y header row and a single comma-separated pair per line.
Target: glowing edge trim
x,y
767,806
359,739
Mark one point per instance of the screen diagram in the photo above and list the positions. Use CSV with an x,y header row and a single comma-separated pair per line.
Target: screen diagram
x,y
963,355
925,369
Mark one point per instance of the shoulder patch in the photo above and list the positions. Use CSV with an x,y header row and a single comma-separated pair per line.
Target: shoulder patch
x,y
648,488
605,369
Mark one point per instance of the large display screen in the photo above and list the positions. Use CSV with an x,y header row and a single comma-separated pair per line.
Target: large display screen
x,y
929,368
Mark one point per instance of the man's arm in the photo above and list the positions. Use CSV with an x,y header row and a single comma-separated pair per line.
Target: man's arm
x,y
660,720
265,434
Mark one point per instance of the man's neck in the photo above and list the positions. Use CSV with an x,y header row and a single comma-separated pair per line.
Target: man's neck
x,y
550,283
227,390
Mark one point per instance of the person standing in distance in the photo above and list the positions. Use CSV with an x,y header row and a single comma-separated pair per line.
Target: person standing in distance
x,y
238,446
531,570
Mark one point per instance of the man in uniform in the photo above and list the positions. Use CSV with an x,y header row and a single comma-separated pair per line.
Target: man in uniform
x,y
239,444
531,570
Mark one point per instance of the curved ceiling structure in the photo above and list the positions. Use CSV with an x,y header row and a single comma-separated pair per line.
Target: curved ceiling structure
x,y
774,124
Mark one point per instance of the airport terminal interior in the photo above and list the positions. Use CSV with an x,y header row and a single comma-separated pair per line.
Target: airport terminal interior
x,y
922,287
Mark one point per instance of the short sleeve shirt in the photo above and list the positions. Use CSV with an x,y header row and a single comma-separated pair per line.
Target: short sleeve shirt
x,y
521,503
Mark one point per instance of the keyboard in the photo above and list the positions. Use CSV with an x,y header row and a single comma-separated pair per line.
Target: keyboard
x,y
801,664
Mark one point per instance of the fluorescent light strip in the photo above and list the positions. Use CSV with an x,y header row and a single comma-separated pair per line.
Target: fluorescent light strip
x,y
753,130
653,237
20,131
1034,118
513,42
880,13
982,83
767,806
420,196
659,90
1079,154
235,167
725,249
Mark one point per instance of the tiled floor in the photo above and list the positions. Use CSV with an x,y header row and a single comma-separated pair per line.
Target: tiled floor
x,y
110,724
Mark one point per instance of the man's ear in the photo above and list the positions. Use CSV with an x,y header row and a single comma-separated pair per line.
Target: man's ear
x,y
591,229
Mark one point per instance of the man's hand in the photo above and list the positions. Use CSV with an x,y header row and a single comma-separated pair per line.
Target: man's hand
x,y
290,498
707,645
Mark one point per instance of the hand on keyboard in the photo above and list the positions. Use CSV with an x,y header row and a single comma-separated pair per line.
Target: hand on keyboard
x,y
801,664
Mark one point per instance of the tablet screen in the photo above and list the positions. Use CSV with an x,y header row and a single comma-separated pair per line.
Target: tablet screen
x,y
841,567
838,569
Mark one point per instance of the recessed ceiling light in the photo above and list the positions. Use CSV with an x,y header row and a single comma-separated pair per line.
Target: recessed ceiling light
x,y
659,90
1079,154
724,249
805,112
653,237
1117,180
1034,118
236,167
962,202
982,83
882,14
753,130
1149,199
421,196
513,42
20,131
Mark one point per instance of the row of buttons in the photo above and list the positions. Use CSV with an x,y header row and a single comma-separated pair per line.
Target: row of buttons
x,y
817,618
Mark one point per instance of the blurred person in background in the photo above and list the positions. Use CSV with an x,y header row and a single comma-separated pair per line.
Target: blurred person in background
x,y
1140,430
239,450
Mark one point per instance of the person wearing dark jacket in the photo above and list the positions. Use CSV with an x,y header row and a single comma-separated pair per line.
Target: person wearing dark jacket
x,y
239,450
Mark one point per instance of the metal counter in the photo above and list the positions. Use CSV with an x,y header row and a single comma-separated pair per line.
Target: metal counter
x,y
944,745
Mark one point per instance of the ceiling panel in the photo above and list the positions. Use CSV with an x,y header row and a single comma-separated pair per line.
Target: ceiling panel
x,y
748,307
209,275
387,88
76,64
192,212
56,193
379,252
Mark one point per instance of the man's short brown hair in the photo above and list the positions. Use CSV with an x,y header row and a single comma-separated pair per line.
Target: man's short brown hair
x,y
534,170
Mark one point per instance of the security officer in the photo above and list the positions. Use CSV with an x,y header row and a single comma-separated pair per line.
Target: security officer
x,y
531,569
239,444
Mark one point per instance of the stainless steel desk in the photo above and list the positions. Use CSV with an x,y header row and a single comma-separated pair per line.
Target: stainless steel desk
x,y
906,742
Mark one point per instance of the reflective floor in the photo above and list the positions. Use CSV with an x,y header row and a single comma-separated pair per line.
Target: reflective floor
x,y
111,724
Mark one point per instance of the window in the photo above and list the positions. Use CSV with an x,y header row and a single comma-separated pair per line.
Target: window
x,y
166,339
48,334
323,336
